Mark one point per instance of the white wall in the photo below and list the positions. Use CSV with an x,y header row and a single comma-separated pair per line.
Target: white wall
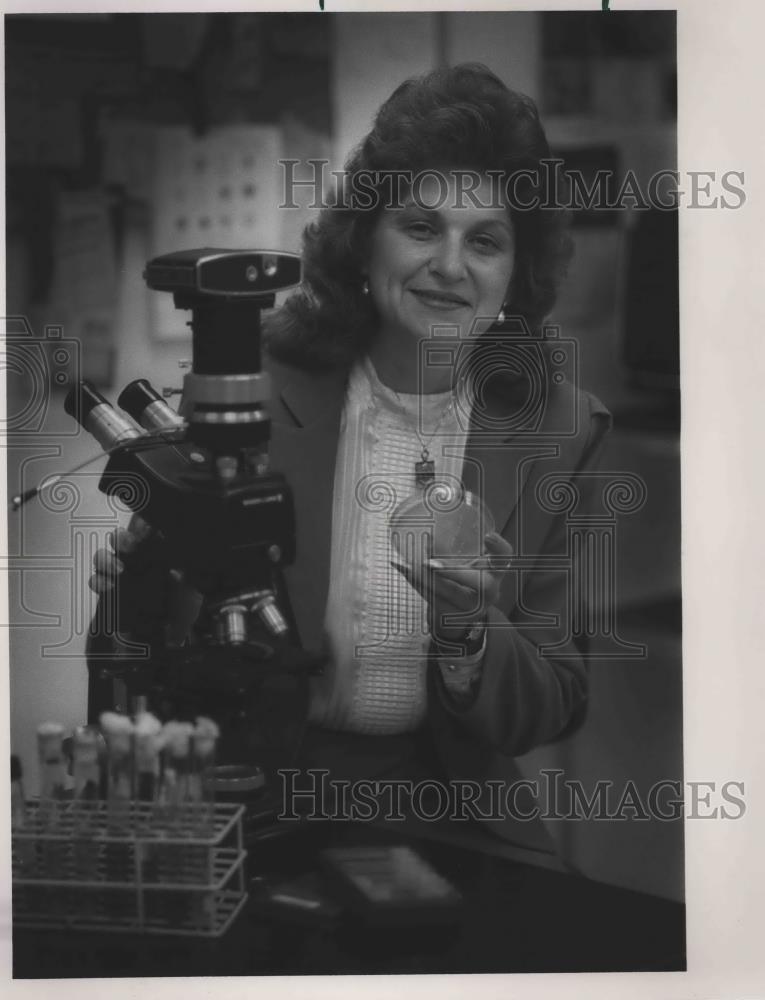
x,y
372,54
369,63
509,48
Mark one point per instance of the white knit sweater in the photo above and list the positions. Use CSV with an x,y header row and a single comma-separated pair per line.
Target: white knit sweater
x,y
375,621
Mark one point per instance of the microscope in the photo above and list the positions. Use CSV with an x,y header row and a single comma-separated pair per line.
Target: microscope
x,y
223,519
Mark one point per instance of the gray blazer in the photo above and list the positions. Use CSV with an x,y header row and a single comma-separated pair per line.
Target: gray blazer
x,y
523,456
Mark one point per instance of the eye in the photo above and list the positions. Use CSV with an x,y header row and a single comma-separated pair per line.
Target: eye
x,y
420,230
485,244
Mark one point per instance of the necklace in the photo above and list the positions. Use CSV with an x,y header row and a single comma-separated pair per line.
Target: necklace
x,y
425,469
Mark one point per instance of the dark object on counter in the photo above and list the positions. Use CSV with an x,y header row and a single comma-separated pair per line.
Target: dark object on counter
x,y
391,885
303,900
240,783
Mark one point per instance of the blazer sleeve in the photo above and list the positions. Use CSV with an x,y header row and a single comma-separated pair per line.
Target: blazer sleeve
x,y
525,698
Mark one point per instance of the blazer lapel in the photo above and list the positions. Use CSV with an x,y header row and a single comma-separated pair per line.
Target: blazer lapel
x,y
305,427
500,450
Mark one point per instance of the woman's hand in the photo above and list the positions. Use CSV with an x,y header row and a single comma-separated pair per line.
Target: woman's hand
x,y
107,564
157,598
468,591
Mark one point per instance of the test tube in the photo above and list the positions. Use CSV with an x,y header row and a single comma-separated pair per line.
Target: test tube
x,y
53,854
118,857
87,748
147,747
176,754
202,797
201,790
50,749
25,849
172,858
118,733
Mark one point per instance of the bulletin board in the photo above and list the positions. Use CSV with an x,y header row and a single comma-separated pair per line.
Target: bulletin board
x,y
219,190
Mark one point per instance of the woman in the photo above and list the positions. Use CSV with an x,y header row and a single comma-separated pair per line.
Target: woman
x,y
411,355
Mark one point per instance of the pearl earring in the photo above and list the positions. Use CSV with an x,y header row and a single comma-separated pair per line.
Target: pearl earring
x,y
365,287
501,316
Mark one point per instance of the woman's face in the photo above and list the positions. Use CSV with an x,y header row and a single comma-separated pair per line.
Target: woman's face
x,y
443,260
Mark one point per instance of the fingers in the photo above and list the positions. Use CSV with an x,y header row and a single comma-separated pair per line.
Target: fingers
x,y
107,563
496,558
463,590
458,597
123,541
107,567
126,540
467,576
499,553
479,575
497,545
140,528
100,584
492,563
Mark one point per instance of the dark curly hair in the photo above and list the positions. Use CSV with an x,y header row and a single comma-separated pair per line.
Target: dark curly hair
x,y
461,117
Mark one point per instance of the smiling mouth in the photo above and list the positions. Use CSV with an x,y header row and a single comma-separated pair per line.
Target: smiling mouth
x,y
440,300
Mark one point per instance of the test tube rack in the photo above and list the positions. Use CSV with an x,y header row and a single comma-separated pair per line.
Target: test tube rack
x,y
135,867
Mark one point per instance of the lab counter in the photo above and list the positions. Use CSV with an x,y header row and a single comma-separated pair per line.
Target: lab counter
x,y
513,916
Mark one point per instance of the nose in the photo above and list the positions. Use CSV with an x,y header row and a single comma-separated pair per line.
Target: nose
x,y
448,260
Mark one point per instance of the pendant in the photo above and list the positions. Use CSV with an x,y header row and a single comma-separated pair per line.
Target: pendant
x,y
424,470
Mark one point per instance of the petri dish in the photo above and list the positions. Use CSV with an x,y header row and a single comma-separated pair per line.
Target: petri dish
x,y
454,519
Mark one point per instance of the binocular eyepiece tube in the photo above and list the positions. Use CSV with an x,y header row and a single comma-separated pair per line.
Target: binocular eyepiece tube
x,y
107,425
144,404
97,416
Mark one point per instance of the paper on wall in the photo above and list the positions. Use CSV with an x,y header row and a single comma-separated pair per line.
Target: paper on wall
x,y
219,190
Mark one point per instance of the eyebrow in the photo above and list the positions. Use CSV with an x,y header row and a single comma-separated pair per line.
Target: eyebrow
x,y
502,223
496,223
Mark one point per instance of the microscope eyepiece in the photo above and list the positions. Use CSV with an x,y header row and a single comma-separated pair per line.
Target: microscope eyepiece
x,y
145,405
96,415
81,399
